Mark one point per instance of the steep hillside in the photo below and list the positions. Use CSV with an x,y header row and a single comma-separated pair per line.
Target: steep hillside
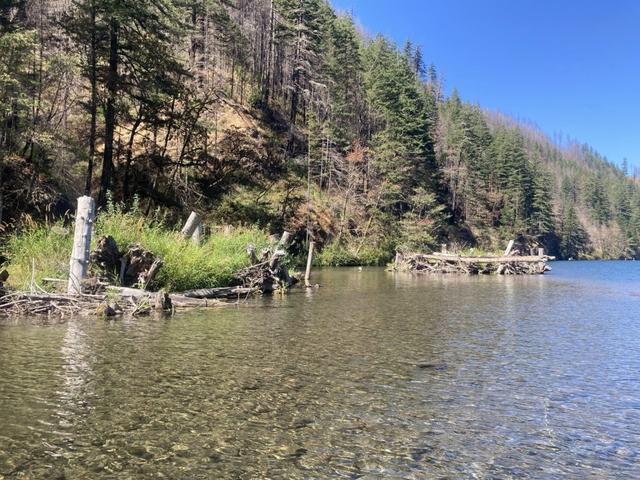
x,y
280,113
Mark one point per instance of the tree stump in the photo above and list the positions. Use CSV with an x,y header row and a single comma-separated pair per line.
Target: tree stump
x,y
138,266
106,255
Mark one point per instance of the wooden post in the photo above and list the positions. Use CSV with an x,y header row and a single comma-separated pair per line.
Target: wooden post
x,y
285,241
79,262
196,238
509,248
307,273
443,248
397,261
541,252
192,223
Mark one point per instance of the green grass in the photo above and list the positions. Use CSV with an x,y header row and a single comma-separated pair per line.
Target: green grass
x,y
339,255
46,249
40,250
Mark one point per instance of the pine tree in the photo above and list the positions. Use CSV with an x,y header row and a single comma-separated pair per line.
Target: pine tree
x,y
573,238
345,71
305,29
541,221
400,137
596,199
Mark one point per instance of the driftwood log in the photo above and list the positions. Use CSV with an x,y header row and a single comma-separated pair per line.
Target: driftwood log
x,y
220,292
79,260
191,225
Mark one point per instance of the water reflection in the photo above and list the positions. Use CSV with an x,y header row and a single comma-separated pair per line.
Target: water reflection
x,y
372,375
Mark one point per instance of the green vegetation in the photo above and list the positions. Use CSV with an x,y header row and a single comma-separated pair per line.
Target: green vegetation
x,y
45,250
340,255
280,114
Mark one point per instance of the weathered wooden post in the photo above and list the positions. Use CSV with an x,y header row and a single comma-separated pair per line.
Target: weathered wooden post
x,y
398,261
443,248
509,248
307,273
196,238
85,217
285,241
541,252
191,225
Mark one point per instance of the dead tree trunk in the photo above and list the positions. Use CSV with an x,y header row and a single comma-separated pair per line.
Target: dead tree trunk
x,y
85,216
191,225
307,273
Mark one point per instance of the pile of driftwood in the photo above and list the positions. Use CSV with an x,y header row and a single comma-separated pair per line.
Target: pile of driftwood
x,y
510,263
266,274
116,301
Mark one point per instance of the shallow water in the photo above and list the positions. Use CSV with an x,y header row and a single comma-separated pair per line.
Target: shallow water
x,y
373,375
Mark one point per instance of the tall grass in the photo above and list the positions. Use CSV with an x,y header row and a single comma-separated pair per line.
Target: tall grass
x,y
345,255
41,251
45,250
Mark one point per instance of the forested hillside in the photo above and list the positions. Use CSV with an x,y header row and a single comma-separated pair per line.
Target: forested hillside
x,y
281,113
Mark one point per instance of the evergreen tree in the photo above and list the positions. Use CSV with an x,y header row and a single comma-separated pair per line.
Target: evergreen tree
x,y
400,137
345,71
573,238
131,60
596,199
541,221
304,28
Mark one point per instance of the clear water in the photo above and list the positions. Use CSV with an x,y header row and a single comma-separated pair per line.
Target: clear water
x,y
374,375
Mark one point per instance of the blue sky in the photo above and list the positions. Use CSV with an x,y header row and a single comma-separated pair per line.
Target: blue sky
x,y
568,66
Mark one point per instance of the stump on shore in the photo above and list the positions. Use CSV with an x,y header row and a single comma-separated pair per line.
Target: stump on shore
x,y
268,273
4,275
137,266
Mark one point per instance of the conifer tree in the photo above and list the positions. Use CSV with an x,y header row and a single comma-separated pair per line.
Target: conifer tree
x,y
573,238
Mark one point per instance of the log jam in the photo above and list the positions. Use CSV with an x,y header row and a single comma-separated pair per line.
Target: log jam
x,y
452,263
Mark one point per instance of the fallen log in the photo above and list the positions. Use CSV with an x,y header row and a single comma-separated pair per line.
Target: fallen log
x,y
484,259
220,292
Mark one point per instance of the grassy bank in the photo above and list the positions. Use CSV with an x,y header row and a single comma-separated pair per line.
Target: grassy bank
x,y
349,255
43,251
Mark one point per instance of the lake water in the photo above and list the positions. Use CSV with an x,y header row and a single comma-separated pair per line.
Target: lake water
x,y
373,375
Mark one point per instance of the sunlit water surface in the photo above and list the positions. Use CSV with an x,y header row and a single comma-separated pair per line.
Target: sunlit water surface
x,y
372,375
